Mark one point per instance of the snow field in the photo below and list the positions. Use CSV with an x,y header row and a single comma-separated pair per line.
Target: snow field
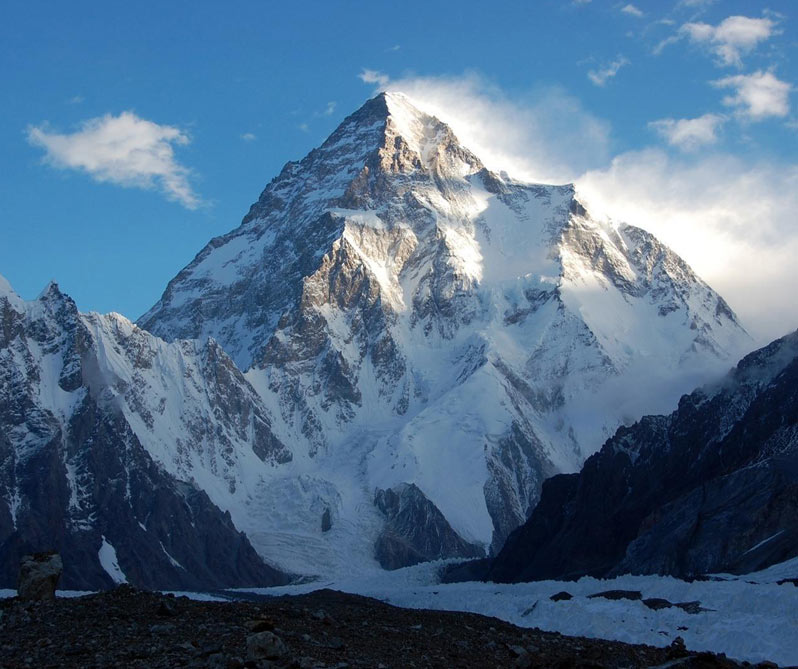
x,y
749,618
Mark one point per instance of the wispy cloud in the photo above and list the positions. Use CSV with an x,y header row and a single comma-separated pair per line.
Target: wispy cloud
x,y
731,38
395,47
607,72
689,134
374,77
731,219
75,100
631,10
249,136
757,96
694,4
125,150
329,110
662,44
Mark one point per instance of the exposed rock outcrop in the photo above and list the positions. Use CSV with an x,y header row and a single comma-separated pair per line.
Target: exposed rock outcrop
x,y
415,530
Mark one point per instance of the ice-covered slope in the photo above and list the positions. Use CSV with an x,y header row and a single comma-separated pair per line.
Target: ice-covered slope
x,y
409,317
114,447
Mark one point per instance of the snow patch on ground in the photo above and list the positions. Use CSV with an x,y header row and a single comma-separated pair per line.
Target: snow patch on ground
x,y
109,562
749,617
196,596
7,593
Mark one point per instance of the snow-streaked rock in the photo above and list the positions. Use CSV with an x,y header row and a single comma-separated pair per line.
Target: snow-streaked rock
x,y
409,317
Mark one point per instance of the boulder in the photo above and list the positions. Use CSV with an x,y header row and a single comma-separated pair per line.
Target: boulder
x,y
38,576
265,646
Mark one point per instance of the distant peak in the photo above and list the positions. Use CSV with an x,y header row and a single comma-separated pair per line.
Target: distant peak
x,y
50,290
6,291
5,286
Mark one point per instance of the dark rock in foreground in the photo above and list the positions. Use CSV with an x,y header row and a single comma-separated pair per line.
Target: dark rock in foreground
x,y
38,576
130,628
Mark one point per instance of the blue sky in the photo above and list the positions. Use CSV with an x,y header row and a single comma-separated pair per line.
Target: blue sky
x,y
678,116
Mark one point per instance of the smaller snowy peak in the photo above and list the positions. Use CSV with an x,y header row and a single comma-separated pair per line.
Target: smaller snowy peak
x,y
50,291
8,293
5,287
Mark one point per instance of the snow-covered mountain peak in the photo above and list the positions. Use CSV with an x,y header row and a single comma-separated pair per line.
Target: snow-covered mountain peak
x,y
402,311
8,294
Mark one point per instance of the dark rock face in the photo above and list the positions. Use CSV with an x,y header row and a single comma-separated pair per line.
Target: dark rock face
x,y
166,534
75,477
415,530
712,487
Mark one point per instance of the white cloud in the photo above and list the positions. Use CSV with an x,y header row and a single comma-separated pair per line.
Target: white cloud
x,y
125,150
329,110
689,134
758,95
545,135
249,137
658,49
731,38
632,11
374,77
694,4
603,74
732,221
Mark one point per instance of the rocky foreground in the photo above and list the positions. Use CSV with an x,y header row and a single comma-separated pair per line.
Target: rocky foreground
x,y
126,627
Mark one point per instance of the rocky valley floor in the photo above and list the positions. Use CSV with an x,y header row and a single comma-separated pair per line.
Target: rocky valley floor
x,y
131,628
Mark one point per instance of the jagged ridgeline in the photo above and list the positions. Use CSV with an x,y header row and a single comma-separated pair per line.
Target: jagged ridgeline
x,y
421,343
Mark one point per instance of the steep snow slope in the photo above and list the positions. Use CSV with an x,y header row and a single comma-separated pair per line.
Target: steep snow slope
x,y
409,317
